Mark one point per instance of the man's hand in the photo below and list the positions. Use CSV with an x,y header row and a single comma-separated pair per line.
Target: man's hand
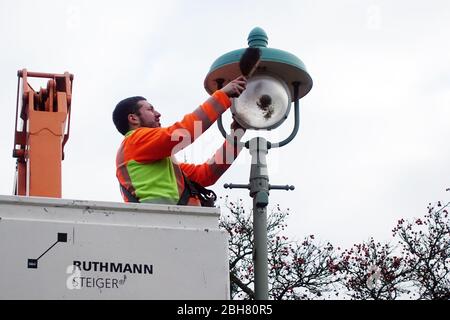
x,y
234,88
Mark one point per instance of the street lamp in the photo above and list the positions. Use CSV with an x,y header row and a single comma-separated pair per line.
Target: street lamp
x,y
280,79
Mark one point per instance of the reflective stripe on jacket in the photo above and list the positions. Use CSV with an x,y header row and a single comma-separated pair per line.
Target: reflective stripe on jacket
x,y
145,164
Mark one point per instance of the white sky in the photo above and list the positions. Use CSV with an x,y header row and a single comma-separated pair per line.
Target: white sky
x,y
373,145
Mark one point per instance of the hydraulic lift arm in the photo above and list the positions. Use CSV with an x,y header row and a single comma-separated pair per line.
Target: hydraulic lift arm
x,y
43,131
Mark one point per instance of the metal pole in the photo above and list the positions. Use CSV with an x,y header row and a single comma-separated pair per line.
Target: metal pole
x,y
259,191
260,252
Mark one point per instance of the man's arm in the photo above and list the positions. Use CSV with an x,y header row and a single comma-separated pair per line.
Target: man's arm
x,y
151,144
208,173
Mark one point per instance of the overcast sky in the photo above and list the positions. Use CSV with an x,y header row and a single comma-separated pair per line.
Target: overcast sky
x,y
373,145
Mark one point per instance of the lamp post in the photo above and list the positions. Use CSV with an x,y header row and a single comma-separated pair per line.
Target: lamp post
x,y
281,78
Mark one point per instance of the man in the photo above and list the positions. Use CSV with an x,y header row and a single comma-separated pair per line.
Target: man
x,y
145,165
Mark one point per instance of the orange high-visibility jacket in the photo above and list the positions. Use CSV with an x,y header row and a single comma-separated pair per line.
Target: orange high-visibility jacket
x,y
147,168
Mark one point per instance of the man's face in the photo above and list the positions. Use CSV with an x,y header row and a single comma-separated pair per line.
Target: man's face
x,y
148,116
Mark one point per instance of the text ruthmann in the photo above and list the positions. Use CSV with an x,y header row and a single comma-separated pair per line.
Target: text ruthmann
x,y
77,280
97,266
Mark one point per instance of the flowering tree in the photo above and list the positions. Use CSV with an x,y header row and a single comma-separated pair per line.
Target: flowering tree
x,y
426,243
371,270
417,267
296,270
301,270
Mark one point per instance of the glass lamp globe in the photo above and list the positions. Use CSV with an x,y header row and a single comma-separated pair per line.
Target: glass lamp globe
x,y
264,104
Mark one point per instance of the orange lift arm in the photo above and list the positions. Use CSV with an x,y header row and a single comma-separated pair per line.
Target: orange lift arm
x,y
40,137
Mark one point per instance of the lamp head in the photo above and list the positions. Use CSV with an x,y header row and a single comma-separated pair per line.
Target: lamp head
x,y
264,104
274,78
